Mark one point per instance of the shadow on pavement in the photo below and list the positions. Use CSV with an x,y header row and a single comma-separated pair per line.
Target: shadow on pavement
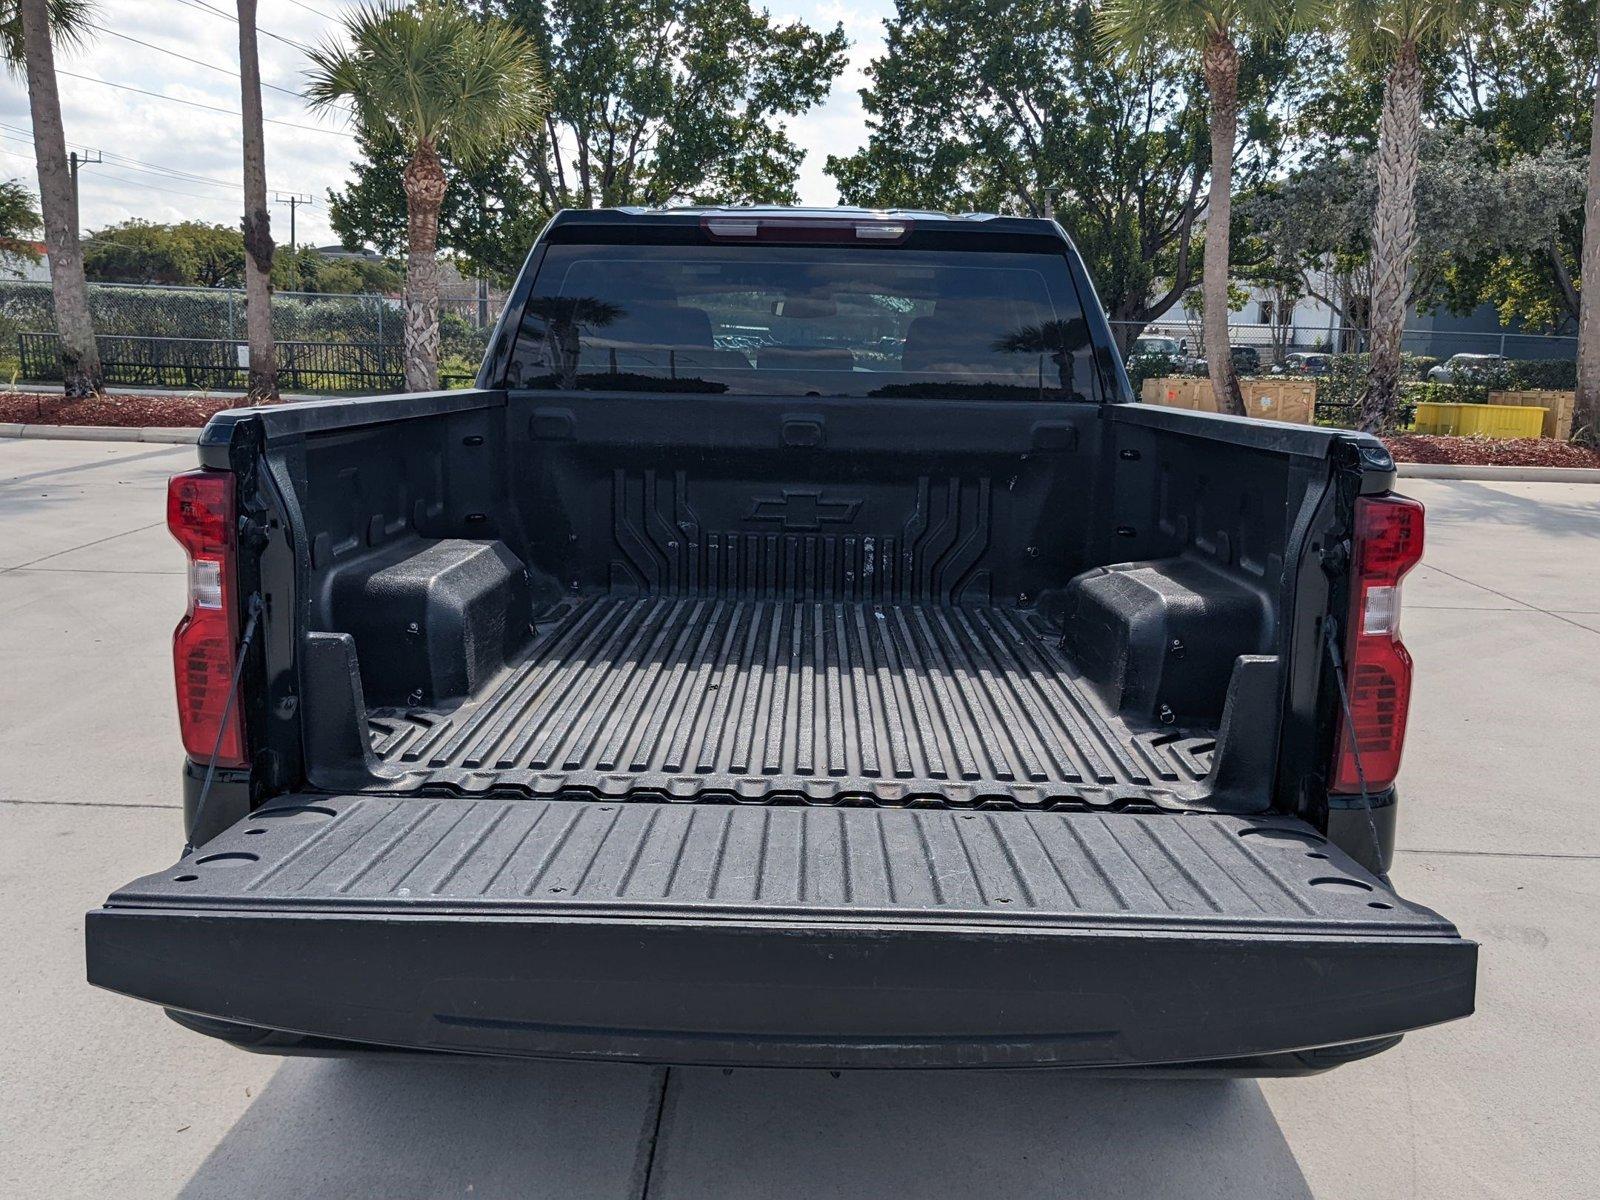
x,y
1472,504
420,1129
758,1135
400,1127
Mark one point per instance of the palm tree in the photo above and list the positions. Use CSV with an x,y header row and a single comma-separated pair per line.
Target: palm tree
x,y
1392,34
1586,409
1214,29
27,28
431,77
257,221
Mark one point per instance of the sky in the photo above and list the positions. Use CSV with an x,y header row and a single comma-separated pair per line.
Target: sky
x,y
171,161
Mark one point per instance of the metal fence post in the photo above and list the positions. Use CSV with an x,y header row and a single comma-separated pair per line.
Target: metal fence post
x,y
233,333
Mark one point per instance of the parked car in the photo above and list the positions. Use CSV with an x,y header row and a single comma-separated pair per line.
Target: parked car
x,y
1466,368
665,701
1153,346
1246,361
1300,363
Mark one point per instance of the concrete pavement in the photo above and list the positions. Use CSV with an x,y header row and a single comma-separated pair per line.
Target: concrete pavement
x,y
101,1096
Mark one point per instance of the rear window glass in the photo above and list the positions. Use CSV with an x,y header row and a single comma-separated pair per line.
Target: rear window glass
x,y
805,321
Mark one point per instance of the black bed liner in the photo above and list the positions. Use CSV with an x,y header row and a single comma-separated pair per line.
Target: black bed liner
x,y
761,698
794,861
798,935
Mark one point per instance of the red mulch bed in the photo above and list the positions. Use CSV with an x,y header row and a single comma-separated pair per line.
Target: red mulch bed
x,y
1490,452
124,411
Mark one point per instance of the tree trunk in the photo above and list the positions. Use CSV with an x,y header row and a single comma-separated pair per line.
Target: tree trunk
x,y
1586,412
80,358
1394,236
425,183
1220,62
257,221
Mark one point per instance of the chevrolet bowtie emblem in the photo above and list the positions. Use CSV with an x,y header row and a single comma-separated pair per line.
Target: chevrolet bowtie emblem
x,y
802,510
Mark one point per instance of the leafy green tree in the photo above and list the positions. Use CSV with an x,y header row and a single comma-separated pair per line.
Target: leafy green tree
x,y
1014,107
430,77
198,254
1529,83
1473,204
1214,30
668,100
312,272
19,221
652,102
1397,34
1526,81
190,253
1011,106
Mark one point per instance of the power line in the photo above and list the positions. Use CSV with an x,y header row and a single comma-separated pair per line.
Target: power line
x,y
314,11
159,168
123,179
199,62
202,6
133,164
154,188
124,87
26,136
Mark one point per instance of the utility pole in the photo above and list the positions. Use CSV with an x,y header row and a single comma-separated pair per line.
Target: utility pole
x,y
294,200
74,161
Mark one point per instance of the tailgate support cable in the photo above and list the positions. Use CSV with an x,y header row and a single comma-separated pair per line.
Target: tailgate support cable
x,y
1350,732
254,608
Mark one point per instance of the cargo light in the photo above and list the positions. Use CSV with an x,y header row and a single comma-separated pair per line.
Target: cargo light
x,y
805,230
1387,544
201,516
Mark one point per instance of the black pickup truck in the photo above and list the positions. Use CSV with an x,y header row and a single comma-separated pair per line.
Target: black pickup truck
x,y
798,649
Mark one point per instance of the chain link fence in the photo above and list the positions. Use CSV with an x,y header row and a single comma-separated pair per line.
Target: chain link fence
x,y
189,337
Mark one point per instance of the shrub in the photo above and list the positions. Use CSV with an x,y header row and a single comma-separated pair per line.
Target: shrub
x,y
1149,366
1548,374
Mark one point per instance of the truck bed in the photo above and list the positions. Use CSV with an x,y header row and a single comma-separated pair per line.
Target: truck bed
x,y
769,699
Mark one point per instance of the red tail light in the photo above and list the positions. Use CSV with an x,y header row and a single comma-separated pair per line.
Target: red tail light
x,y
201,515
1388,543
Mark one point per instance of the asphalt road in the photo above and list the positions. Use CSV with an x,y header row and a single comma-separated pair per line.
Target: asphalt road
x,y
104,1097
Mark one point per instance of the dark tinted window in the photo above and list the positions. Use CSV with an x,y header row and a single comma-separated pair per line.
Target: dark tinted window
x,y
805,320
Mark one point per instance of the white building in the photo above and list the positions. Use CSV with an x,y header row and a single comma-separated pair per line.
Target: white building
x,y
15,265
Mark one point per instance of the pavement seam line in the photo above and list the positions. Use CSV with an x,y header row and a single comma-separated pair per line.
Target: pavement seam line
x,y
109,461
90,804
179,574
1506,596
97,542
1502,854
648,1175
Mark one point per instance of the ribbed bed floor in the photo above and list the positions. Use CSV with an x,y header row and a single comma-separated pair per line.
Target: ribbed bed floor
x,y
760,699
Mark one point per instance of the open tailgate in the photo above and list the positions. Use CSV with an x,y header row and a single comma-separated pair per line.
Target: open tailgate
x,y
733,934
